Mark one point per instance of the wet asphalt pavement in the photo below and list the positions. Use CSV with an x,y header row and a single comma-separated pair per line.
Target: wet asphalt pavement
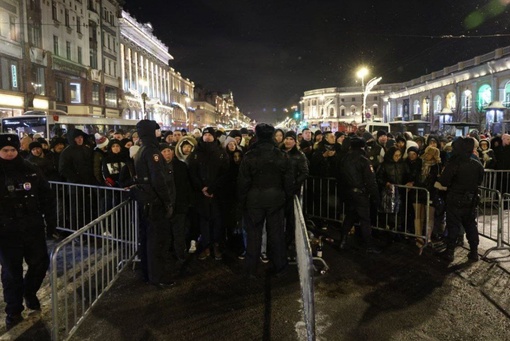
x,y
396,295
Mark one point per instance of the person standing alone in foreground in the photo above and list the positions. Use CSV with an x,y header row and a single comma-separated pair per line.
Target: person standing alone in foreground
x,y
462,176
264,183
157,202
24,197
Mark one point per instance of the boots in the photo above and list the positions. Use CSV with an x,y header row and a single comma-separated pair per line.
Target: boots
x,y
473,254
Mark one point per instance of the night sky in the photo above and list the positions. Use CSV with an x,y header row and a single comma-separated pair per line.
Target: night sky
x,y
269,52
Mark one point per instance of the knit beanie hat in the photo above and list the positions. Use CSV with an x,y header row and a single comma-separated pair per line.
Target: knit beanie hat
x,y
101,141
290,134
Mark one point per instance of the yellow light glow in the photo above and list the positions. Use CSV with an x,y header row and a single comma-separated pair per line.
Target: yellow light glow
x,y
362,72
13,101
41,104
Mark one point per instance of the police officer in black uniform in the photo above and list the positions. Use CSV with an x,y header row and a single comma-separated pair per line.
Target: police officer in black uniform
x,y
462,176
157,202
359,188
25,196
264,183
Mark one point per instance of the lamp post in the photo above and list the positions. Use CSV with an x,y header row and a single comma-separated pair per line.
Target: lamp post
x,y
370,84
427,102
144,99
361,74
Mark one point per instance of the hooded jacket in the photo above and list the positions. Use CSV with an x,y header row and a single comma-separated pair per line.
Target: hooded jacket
x,y
76,162
178,148
150,169
112,164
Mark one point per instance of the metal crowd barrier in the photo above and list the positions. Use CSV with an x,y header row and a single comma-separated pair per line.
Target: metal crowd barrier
x,y
86,263
77,204
321,200
305,269
498,180
494,220
406,220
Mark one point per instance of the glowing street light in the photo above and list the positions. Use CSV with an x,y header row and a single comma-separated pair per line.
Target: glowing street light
x,y
362,72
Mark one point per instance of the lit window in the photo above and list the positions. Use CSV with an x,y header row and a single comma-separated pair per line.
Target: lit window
x,y
75,89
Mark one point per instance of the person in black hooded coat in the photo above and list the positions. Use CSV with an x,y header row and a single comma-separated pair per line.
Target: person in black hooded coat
x,y
157,203
264,184
208,165
76,164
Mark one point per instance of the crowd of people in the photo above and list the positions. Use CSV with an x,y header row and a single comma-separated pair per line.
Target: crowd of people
x,y
208,191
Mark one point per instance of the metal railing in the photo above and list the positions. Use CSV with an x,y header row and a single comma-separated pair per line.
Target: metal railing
x,y
86,263
494,220
305,270
77,205
498,180
321,201
414,216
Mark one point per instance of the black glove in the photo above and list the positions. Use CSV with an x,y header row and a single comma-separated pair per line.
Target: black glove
x,y
169,211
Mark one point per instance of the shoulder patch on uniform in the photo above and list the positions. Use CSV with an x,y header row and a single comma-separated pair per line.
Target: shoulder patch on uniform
x,y
155,157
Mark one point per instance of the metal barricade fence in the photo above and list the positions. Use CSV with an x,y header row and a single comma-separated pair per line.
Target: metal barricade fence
x,y
493,220
78,204
86,263
305,269
413,215
498,180
321,200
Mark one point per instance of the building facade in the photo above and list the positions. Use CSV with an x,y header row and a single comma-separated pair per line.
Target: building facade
x,y
473,93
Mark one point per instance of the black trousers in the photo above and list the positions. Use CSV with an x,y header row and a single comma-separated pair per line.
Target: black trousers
x,y
254,221
357,208
156,247
178,236
458,217
15,286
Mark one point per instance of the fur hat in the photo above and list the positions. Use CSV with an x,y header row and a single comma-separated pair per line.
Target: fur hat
x,y
9,140
264,131
133,150
33,145
357,143
101,141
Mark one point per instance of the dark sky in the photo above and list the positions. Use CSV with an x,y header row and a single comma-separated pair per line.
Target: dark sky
x,y
269,52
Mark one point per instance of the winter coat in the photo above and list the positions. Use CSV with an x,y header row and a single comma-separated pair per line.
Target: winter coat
x,y
76,162
112,164
320,165
178,147
265,179
298,166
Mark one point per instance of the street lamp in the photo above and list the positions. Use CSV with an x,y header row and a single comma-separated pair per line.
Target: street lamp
x,y
361,74
370,84
427,102
188,123
144,99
